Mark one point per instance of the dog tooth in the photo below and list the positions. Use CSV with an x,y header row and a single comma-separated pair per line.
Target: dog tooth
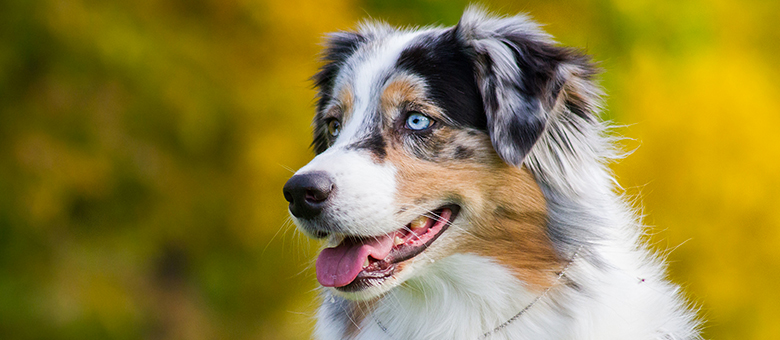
x,y
365,263
397,240
419,222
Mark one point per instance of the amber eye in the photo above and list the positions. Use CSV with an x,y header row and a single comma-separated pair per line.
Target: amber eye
x,y
334,127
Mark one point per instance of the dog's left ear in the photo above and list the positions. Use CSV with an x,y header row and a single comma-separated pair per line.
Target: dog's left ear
x,y
518,72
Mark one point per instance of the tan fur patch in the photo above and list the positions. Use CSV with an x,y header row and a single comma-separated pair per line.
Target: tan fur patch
x,y
399,91
406,92
514,233
346,102
505,208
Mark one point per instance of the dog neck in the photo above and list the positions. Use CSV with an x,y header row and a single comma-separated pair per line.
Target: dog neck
x,y
461,297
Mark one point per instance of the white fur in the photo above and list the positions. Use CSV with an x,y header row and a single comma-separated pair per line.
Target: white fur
x,y
364,198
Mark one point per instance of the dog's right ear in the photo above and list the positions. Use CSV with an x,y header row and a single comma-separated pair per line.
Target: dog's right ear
x,y
338,48
518,72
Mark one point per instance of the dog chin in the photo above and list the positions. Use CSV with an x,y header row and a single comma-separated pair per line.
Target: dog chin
x,y
368,293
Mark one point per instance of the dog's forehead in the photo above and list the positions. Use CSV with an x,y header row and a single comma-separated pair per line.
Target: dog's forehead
x,y
372,65
435,62
368,70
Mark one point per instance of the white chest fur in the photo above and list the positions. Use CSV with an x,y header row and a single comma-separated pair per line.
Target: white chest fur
x,y
464,296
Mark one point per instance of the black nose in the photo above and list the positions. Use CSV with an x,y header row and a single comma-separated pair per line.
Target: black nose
x,y
308,193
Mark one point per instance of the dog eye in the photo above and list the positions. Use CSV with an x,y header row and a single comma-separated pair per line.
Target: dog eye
x,y
334,127
418,122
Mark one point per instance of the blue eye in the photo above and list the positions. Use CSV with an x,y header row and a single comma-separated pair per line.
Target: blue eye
x,y
418,122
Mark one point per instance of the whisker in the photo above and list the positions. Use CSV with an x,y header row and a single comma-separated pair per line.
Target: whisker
x,y
286,167
285,225
349,316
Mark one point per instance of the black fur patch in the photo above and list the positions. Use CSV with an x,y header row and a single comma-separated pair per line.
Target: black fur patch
x,y
572,284
374,143
523,131
462,152
449,73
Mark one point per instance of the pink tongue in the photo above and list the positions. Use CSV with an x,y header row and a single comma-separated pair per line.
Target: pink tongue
x,y
338,266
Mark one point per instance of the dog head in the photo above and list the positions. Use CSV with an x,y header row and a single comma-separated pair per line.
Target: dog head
x,y
422,139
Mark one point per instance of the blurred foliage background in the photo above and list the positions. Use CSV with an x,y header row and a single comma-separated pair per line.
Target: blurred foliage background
x,y
144,144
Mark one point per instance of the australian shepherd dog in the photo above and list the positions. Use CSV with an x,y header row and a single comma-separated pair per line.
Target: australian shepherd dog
x,y
462,189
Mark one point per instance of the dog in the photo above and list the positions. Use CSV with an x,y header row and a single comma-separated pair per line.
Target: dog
x,y
462,189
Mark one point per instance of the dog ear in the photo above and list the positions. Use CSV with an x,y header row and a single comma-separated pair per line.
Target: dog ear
x,y
518,72
338,48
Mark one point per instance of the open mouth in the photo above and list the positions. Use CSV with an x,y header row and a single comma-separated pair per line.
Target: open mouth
x,y
361,262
